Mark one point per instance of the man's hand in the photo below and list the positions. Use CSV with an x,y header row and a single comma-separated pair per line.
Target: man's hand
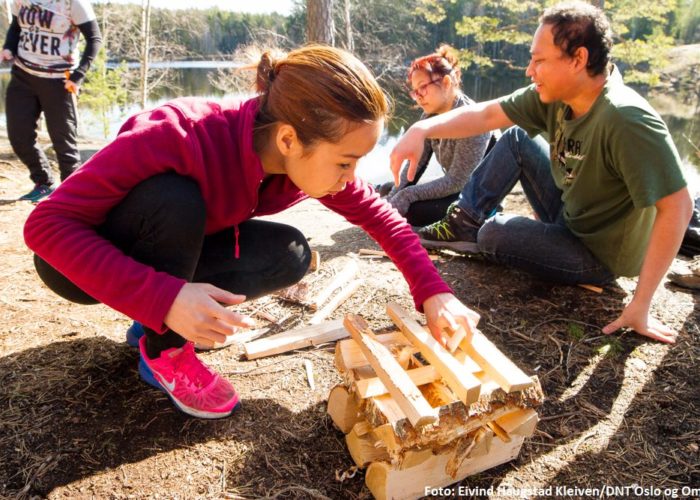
x,y
409,147
636,316
7,55
443,311
198,316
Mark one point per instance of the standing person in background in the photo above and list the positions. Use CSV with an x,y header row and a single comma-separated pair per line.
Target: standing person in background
x,y
435,82
42,41
596,163
163,223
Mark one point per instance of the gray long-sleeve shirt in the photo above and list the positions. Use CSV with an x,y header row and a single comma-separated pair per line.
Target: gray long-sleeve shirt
x,y
457,157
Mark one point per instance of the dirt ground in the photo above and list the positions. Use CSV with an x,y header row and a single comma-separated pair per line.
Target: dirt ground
x,y
76,421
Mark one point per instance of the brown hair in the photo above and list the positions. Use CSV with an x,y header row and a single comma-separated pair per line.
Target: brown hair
x,y
319,90
579,24
444,61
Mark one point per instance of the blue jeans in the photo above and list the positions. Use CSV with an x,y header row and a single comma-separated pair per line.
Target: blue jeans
x,y
544,247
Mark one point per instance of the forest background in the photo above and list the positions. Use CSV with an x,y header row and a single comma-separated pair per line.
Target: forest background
x,y
493,37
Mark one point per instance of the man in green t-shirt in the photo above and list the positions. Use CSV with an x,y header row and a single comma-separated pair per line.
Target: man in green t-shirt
x,y
596,163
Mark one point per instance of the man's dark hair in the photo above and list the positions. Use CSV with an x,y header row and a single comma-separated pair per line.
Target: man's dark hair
x,y
579,24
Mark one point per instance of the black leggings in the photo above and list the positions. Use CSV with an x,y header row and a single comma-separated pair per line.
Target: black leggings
x,y
161,223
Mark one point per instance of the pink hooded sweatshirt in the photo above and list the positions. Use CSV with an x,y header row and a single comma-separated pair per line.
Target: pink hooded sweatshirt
x,y
211,143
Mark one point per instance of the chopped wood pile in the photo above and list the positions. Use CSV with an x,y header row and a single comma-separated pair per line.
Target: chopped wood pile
x,y
417,416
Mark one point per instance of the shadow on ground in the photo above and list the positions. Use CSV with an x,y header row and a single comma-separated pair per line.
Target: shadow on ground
x,y
76,408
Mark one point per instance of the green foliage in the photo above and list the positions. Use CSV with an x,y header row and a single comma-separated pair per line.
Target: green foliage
x,y
469,58
433,10
489,29
624,13
497,27
646,58
505,28
611,348
103,89
575,331
688,18
643,41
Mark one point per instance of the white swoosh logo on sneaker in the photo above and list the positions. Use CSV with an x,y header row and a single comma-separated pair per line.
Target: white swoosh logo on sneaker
x,y
170,386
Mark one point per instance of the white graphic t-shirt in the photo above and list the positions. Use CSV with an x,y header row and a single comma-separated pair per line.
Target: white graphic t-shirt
x,y
48,41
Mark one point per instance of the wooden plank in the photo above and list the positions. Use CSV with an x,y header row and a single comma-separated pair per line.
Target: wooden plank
x,y
337,299
372,387
400,386
296,339
455,338
343,409
349,356
469,364
465,385
495,363
342,277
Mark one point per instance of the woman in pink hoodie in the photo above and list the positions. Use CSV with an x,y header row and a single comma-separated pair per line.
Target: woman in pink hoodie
x,y
162,224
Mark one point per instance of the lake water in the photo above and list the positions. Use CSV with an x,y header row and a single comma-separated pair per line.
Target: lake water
x,y
193,78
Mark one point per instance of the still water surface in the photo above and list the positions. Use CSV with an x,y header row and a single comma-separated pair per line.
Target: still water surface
x,y
681,112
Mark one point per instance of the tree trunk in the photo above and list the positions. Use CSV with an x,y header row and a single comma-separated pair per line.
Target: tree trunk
x,y
319,22
145,48
349,42
8,8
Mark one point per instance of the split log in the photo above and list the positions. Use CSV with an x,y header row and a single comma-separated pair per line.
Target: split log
x,y
495,363
520,423
348,354
387,482
345,275
338,299
400,386
465,385
343,409
371,387
296,339
364,448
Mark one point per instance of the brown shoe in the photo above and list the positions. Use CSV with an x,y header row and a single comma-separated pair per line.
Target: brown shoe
x,y
688,278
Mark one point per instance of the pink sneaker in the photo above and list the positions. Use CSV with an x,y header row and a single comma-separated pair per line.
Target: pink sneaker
x,y
195,388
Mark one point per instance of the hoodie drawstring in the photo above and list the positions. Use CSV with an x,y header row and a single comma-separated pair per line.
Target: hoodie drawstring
x,y
237,250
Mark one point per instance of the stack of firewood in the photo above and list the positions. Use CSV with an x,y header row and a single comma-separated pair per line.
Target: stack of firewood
x,y
419,416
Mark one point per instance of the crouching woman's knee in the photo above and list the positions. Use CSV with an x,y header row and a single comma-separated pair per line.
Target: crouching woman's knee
x,y
298,257
59,284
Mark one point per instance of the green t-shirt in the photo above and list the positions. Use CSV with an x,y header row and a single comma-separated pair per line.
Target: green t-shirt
x,y
612,165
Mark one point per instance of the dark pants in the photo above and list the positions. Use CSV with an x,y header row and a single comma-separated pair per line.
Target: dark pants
x,y
161,224
425,212
27,97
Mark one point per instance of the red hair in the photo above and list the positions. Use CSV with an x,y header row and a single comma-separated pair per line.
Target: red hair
x,y
444,61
